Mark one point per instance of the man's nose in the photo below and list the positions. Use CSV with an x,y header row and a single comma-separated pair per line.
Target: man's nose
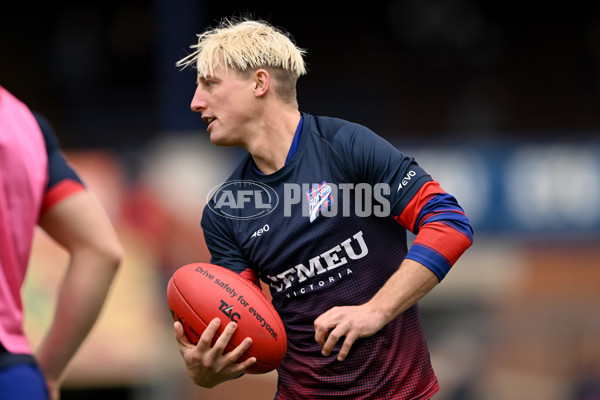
x,y
198,103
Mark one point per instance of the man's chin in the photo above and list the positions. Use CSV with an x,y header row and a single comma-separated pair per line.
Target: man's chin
x,y
219,141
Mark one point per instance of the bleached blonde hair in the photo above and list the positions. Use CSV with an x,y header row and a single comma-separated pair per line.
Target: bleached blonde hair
x,y
245,45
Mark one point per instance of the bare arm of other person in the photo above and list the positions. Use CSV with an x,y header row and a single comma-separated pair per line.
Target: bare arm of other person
x,y
80,224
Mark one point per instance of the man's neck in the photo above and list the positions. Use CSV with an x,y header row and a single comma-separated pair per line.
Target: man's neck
x,y
270,147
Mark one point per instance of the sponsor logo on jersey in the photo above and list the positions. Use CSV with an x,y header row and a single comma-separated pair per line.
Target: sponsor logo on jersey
x,y
406,179
325,266
319,197
261,231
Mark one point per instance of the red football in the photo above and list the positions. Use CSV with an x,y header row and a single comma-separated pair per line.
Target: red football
x,y
199,292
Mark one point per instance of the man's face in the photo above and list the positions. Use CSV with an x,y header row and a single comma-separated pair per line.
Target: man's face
x,y
226,101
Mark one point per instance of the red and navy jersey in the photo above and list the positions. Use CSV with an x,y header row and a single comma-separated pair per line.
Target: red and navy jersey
x,y
334,234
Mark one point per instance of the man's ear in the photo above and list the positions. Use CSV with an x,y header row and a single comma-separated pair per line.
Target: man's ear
x,y
262,82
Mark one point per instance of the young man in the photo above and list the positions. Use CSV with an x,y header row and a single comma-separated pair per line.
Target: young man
x,y
37,186
333,250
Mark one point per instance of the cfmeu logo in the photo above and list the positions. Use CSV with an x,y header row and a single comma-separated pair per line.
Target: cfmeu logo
x,y
242,199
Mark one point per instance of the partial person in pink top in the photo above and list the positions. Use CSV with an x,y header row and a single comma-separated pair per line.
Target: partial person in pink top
x,y
38,187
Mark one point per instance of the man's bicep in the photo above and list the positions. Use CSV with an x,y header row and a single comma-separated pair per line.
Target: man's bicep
x,y
78,221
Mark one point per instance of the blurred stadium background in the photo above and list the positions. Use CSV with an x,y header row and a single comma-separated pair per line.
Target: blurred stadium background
x,y
501,104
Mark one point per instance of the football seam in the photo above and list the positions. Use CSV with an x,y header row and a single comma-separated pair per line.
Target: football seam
x,y
188,305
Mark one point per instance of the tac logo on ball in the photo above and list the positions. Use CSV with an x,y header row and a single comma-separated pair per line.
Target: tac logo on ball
x,y
198,293
228,311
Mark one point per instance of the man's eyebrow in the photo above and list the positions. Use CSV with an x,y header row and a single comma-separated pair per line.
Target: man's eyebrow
x,y
202,78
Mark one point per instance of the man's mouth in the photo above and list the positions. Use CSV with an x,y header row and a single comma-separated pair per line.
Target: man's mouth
x,y
209,120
